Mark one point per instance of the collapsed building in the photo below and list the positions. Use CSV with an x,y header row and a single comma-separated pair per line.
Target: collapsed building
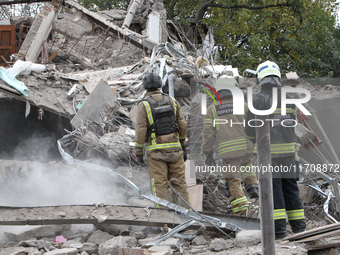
x,y
69,92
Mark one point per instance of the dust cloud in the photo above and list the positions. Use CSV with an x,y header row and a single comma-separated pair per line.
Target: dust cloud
x,y
59,184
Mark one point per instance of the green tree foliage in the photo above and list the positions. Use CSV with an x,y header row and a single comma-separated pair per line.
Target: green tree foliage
x,y
300,35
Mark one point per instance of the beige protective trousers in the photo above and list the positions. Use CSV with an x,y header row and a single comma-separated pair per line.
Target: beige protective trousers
x,y
165,166
239,168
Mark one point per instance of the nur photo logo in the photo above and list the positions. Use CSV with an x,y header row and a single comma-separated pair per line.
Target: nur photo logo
x,y
238,100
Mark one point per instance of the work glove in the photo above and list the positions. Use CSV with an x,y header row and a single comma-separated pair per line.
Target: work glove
x,y
139,159
185,154
209,160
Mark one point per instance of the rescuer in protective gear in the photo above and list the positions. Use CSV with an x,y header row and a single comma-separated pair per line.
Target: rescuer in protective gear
x,y
233,146
162,128
287,200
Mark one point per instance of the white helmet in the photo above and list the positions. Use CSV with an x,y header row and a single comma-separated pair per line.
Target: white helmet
x,y
267,68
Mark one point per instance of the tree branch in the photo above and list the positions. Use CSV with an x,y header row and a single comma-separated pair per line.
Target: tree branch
x,y
249,7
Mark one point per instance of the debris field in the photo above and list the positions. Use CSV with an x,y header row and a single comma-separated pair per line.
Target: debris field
x,y
69,181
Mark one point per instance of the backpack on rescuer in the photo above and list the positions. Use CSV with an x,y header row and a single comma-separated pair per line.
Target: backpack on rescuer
x,y
163,116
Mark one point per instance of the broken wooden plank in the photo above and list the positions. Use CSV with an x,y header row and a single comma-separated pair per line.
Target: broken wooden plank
x,y
313,232
136,39
53,55
323,246
320,236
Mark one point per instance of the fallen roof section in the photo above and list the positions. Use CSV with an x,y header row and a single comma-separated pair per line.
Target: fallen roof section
x,y
133,37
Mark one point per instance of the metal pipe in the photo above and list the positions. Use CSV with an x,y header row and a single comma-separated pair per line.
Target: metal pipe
x,y
335,185
266,187
326,207
171,84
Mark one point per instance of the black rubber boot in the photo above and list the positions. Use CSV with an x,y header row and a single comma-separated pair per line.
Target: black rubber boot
x,y
280,235
227,189
280,229
253,192
298,225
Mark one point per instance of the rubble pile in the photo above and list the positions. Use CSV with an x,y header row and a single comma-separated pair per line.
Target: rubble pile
x,y
93,78
65,239
94,51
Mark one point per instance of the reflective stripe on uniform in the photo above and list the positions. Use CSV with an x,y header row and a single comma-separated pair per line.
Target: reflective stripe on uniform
x,y
174,104
148,112
241,208
151,121
233,148
250,137
288,110
139,145
296,214
239,200
215,117
280,214
234,145
207,121
280,148
182,137
163,146
154,192
248,174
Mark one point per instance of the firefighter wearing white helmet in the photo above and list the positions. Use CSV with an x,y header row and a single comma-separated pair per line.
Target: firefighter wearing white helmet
x,y
287,200
233,147
267,68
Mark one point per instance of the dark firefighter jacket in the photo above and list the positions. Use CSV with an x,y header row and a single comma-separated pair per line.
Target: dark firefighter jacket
x,y
281,126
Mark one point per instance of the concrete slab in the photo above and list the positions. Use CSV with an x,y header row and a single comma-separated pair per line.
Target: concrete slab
x,y
98,103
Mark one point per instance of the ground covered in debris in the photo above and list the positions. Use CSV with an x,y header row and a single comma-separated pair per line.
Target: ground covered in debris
x,y
86,99
78,185
81,240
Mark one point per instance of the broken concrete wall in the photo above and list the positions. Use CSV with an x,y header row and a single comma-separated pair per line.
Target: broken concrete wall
x,y
39,32
73,24
82,42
